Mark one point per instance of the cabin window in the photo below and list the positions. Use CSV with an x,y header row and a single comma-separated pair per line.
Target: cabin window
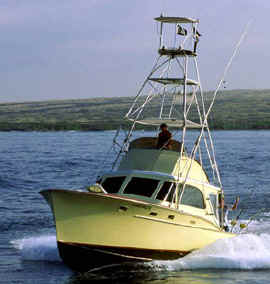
x,y
171,195
167,189
164,190
192,196
113,184
213,200
141,186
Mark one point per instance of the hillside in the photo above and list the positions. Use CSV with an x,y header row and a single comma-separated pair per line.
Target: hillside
x,y
237,109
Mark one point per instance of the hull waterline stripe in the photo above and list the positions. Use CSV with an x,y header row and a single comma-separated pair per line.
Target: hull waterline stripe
x,y
122,255
103,247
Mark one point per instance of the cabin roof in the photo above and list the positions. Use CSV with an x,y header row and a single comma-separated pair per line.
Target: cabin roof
x,y
163,161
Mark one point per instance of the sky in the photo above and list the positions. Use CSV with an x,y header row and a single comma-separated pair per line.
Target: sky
x,y
72,49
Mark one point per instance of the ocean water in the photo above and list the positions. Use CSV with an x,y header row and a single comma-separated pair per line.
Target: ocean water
x,y
30,162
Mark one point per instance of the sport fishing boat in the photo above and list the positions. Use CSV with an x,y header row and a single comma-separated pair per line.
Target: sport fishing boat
x,y
159,201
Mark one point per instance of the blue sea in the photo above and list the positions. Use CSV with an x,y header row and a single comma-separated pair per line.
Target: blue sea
x,y
32,161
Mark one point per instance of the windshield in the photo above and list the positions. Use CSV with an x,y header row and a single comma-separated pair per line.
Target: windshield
x,y
141,186
113,184
167,192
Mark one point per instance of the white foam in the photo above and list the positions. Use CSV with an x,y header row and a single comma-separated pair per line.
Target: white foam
x,y
257,227
40,248
246,252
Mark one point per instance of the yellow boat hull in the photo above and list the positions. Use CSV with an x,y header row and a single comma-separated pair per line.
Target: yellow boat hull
x,y
100,229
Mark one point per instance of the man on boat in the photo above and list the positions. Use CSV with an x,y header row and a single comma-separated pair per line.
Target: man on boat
x,y
164,138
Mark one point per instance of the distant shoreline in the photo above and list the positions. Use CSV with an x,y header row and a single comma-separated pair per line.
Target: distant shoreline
x,y
233,110
23,127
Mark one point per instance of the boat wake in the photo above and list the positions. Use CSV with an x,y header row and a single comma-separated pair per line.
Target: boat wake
x,y
39,248
245,252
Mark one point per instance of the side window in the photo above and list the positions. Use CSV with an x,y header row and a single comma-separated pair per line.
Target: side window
x,y
164,190
141,186
171,194
192,197
113,184
167,189
213,200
